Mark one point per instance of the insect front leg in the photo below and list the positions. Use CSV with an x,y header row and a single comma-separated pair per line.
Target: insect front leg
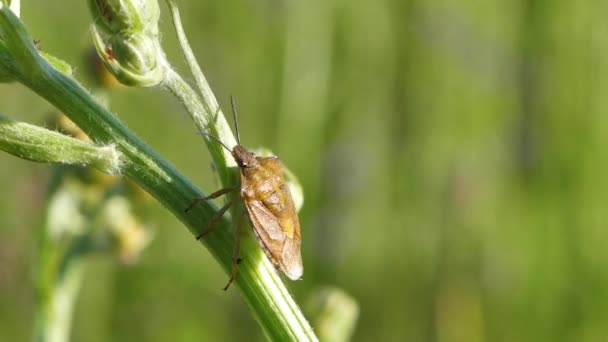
x,y
216,194
213,219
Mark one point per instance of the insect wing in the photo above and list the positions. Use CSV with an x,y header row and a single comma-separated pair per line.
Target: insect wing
x,y
282,246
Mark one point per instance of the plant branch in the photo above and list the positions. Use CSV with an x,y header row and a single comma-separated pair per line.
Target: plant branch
x,y
258,281
201,82
42,145
205,121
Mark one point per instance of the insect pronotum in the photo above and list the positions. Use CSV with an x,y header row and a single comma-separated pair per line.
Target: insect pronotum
x,y
269,205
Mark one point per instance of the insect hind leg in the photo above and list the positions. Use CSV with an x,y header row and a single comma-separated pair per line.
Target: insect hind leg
x,y
236,260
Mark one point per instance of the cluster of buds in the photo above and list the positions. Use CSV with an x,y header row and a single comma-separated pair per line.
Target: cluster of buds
x,y
126,37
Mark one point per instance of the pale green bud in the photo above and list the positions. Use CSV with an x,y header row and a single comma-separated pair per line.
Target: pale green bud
x,y
113,16
134,59
57,63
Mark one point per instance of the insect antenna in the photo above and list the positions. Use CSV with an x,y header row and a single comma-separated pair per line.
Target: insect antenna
x,y
209,135
236,122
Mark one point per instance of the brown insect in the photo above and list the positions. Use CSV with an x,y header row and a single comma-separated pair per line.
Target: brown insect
x,y
270,208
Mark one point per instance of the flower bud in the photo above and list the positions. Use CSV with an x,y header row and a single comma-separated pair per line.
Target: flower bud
x,y
134,59
113,16
102,76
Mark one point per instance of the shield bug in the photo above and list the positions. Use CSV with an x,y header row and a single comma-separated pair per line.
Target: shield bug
x,y
269,205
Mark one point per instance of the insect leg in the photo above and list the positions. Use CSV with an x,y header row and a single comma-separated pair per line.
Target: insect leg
x,y
237,250
213,219
216,194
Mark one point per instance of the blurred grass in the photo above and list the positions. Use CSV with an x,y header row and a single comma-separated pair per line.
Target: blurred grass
x,y
452,155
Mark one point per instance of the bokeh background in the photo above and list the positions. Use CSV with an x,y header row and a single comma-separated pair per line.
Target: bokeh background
x,y
452,155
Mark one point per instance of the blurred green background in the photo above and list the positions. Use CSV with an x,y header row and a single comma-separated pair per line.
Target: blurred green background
x,y
451,152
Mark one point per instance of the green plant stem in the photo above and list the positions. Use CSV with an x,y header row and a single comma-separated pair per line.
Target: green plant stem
x,y
205,121
210,102
259,283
